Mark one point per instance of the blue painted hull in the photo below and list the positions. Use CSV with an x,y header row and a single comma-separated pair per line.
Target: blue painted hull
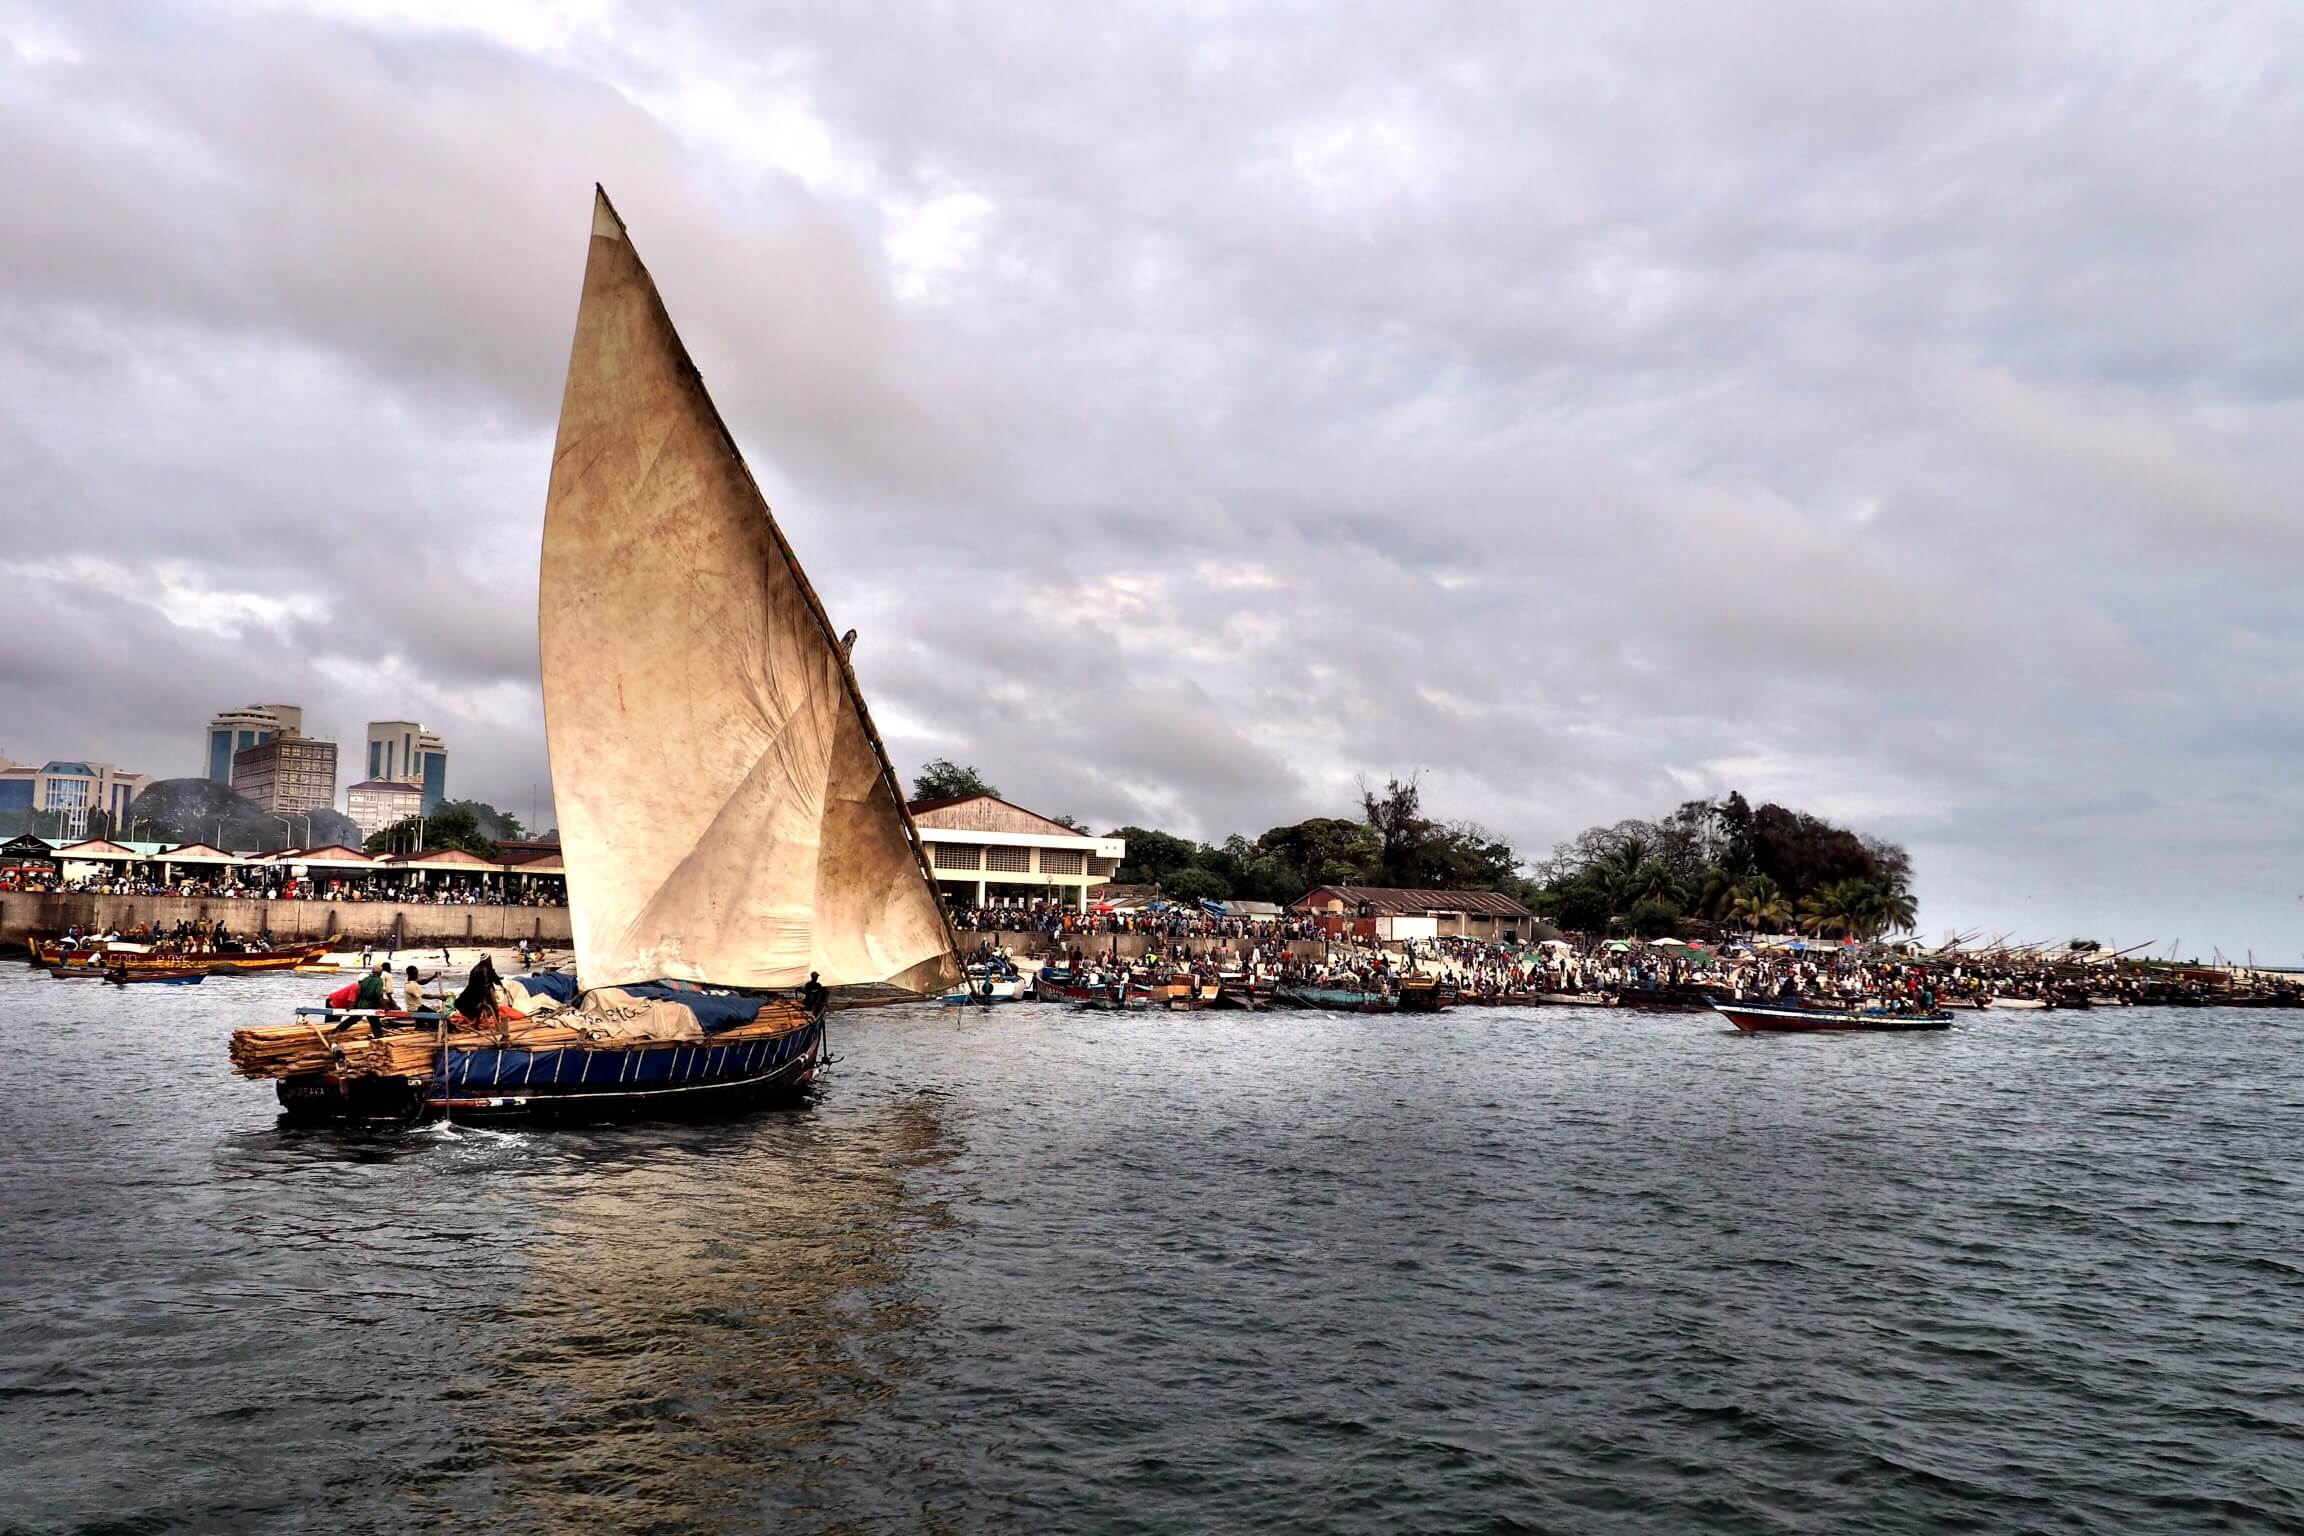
x,y
1333,999
573,1083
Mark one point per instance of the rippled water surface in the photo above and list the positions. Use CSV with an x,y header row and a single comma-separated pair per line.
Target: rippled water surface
x,y
1555,1270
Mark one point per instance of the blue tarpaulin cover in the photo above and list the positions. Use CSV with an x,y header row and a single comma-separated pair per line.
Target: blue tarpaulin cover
x,y
561,989
715,1011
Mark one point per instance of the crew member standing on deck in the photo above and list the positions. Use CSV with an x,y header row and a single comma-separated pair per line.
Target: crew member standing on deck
x,y
815,996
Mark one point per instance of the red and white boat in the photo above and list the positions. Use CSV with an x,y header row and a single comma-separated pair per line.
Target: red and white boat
x,y
1790,1016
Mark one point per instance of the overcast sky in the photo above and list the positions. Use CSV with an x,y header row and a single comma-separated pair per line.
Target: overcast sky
x,y
1889,410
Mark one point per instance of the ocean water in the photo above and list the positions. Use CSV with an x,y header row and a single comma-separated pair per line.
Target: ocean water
x,y
1557,1270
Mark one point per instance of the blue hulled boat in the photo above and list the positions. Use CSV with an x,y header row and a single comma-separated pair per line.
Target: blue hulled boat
x,y
1332,999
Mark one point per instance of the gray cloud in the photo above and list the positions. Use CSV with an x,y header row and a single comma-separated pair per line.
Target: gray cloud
x,y
1892,412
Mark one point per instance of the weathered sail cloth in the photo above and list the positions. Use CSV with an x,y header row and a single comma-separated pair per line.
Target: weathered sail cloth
x,y
727,813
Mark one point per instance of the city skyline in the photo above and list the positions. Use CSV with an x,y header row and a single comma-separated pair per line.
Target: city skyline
x,y
1414,397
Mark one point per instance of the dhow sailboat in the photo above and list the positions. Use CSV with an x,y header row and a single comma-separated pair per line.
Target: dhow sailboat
x,y
730,822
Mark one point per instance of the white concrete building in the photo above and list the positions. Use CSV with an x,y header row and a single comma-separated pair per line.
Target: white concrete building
x,y
990,853
374,804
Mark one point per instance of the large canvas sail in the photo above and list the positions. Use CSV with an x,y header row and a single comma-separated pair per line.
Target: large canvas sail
x,y
727,812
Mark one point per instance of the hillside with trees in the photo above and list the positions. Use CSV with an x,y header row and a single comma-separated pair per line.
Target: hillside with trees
x,y
204,811
1769,870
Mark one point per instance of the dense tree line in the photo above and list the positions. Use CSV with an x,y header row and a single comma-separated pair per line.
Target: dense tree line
x,y
1392,842
471,825
1767,870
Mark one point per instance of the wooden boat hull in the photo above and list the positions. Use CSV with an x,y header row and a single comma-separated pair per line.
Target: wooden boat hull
x,y
1425,996
50,952
572,1084
1333,999
154,978
1662,1000
1760,1019
1054,989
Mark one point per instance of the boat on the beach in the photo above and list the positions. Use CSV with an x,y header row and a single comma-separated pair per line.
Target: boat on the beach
x,y
1788,1016
1293,994
1061,984
1424,994
732,828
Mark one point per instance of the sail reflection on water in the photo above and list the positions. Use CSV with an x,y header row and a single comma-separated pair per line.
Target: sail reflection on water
x,y
693,1326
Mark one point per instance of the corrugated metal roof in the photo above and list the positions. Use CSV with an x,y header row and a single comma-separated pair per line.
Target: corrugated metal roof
x,y
1403,902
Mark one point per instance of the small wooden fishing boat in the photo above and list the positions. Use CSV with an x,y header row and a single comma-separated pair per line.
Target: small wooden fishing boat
x,y
986,985
1058,984
75,972
1788,1016
176,976
136,954
1665,999
2008,1003
1332,999
1424,994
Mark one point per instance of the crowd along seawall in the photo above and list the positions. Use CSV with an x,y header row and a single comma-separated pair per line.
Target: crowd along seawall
x,y
1027,943
25,913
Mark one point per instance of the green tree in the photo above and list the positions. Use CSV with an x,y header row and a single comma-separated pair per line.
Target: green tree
x,y
1580,904
1759,904
452,826
490,821
1324,850
1153,857
1654,917
946,780
1190,885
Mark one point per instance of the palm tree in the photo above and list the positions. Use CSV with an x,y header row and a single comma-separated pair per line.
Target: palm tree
x,y
1837,910
1759,904
1631,875
1888,909
1716,892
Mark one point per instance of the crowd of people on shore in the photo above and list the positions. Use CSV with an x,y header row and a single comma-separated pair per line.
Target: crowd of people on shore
x,y
1593,969
230,888
1054,919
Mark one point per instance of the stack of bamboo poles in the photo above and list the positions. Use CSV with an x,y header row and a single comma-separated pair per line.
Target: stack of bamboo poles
x,y
355,1049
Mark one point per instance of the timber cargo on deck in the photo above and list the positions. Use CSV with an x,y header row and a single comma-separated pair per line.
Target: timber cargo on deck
x,y
717,894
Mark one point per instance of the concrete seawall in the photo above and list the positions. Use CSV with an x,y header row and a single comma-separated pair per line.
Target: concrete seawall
x,y
354,922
